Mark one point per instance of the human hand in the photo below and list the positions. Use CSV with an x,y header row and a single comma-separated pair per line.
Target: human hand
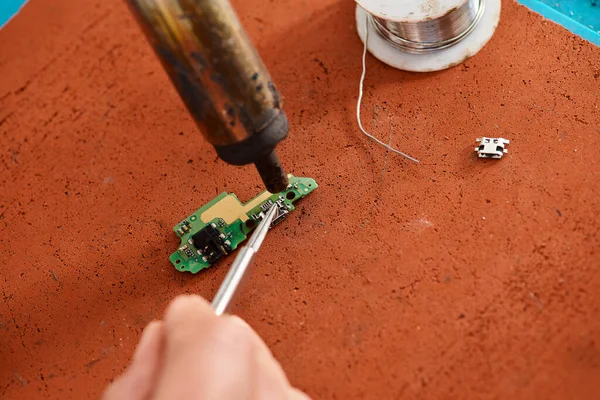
x,y
193,354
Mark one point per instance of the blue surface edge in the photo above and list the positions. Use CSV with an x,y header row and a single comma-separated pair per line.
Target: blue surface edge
x,y
558,17
9,9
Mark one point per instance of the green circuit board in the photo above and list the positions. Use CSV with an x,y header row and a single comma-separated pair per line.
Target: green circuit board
x,y
220,226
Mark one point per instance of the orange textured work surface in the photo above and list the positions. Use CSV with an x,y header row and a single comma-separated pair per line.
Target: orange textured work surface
x,y
454,278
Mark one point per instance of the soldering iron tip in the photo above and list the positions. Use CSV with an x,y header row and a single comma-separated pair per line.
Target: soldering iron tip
x,y
272,173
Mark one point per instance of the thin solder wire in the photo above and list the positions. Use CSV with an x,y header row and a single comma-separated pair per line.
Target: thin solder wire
x,y
431,34
360,96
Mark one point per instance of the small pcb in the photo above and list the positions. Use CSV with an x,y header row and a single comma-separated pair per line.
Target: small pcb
x,y
219,227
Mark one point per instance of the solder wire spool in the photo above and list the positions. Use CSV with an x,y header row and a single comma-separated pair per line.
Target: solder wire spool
x,y
426,35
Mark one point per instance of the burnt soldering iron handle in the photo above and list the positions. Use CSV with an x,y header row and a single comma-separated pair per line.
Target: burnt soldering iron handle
x,y
220,78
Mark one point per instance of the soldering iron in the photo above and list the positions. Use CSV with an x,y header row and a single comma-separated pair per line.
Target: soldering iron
x,y
221,79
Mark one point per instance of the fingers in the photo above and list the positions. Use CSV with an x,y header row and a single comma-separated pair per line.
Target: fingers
x,y
296,394
206,357
210,357
264,357
137,382
194,354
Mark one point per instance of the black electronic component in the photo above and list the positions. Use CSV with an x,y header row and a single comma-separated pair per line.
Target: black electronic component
x,y
211,243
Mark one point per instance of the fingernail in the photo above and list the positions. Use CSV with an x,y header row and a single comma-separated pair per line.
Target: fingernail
x,y
239,321
183,306
147,338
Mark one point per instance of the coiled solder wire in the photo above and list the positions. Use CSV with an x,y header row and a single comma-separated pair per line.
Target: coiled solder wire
x,y
432,34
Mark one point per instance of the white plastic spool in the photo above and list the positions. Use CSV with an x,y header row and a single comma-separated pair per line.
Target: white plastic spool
x,y
423,10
